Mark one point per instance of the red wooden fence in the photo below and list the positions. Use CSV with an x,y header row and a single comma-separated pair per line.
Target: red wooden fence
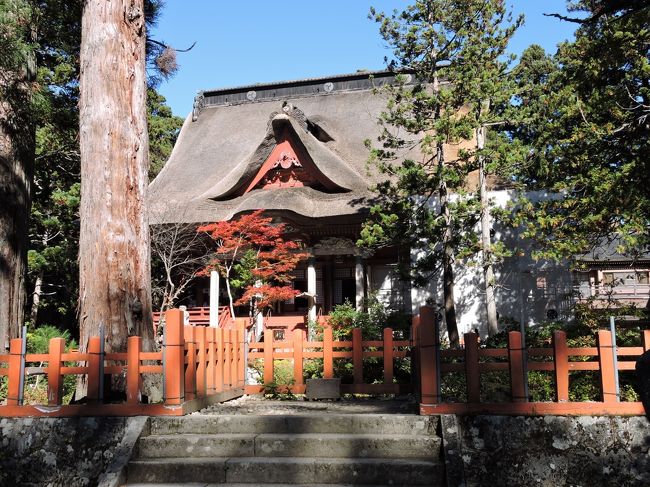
x,y
472,361
328,349
199,366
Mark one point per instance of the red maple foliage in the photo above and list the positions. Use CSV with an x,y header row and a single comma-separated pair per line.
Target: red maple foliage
x,y
276,257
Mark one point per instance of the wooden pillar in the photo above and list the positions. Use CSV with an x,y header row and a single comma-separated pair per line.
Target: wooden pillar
x,y
54,378
428,350
607,372
15,370
472,371
359,282
174,366
561,360
388,355
328,353
268,356
357,355
94,347
298,338
133,376
516,363
311,289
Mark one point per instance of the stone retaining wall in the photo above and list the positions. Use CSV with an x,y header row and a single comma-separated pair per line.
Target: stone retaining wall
x,y
547,451
66,452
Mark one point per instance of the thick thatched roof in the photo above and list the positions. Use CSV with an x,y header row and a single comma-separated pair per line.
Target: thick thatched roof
x,y
231,132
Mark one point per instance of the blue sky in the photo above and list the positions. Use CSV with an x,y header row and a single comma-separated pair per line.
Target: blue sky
x,y
254,41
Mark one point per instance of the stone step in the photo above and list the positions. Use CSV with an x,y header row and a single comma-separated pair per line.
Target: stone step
x,y
290,445
389,424
290,471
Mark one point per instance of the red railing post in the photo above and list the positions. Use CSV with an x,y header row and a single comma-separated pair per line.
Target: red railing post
x,y
227,358
428,346
268,356
298,338
133,376
516,362
218,382
234,366
328,353
561,359
472,371
94,348
388,355
190,371
242,365
54,378
201,381
357,355
212,357
606,360
15,357
174,353
646,340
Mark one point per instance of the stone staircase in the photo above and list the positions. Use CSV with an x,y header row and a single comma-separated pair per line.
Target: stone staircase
x,y
303,449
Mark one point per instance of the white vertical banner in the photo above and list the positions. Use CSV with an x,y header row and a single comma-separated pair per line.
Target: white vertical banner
x,y
214,299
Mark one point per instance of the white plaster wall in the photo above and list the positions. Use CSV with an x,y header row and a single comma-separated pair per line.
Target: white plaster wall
x,y
527,289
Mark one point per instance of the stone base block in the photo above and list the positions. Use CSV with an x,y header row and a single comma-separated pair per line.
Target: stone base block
x,y
323,389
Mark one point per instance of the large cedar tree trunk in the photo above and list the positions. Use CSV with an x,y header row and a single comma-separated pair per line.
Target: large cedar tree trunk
x,y
16,173
114,254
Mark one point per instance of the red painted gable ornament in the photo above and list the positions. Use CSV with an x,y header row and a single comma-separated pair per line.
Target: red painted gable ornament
x,y
289,166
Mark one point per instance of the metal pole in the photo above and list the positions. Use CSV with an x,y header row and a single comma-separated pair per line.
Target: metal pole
x,y
612,329
23,352
101,363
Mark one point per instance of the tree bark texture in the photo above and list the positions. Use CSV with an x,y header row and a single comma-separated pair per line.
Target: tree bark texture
x,y
114,253
486,241
17,142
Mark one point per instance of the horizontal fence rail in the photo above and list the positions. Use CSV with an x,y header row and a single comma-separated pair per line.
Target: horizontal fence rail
x,y
560,360
329,350
198,365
